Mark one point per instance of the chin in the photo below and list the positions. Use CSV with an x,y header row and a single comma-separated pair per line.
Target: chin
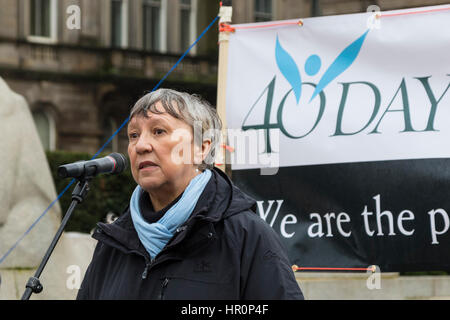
x,y
150,183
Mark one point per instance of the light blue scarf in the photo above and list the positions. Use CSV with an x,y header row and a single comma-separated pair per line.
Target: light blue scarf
x,y
154,236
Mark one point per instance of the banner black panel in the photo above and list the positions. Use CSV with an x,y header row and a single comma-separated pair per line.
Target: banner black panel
x,y
392,214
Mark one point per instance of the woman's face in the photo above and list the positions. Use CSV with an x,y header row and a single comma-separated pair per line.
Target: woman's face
x,y
161,151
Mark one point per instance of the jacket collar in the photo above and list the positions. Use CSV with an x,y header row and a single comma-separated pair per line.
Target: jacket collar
x,y
220,200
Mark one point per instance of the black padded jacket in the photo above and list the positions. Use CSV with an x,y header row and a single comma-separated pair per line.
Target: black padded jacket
x,y
224,251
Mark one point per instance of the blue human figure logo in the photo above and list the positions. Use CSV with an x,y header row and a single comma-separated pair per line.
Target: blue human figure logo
x,y
290,71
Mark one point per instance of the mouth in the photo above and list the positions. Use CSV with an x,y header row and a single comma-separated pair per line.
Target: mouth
x,y
146,165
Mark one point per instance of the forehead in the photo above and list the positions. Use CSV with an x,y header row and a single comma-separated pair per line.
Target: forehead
x,y
151,117
161,117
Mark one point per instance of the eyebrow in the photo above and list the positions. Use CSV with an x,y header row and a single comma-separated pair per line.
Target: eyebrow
x,y
132,124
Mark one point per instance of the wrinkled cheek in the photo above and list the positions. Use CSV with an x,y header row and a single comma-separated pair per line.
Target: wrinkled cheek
x,y
181,154
134,171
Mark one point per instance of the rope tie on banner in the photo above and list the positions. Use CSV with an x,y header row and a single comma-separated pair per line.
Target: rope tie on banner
x,y
383,15
225,27
297,268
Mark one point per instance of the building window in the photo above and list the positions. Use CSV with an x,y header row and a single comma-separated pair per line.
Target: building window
x,y
152,11
43,20
263,10
46,129
119,23
187,24
40,18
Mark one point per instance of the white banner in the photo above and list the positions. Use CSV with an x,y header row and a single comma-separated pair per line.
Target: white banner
x,y
339,89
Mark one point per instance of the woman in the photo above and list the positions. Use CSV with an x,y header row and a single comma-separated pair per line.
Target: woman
x,y
188,232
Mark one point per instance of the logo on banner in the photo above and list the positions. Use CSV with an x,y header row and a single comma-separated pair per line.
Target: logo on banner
x,y
289,69
344,60
292,74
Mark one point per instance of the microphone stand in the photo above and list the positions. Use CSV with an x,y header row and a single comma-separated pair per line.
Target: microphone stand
x,y
79,193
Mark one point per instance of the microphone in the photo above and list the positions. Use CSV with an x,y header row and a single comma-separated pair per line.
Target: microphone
x,y
114,163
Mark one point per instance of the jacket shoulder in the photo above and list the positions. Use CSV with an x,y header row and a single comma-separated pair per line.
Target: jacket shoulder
x,y
248,228
248,220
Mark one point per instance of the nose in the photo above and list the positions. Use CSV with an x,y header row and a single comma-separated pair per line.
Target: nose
x,y
144,144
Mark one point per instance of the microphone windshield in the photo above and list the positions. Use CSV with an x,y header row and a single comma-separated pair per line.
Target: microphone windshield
x,y
121,162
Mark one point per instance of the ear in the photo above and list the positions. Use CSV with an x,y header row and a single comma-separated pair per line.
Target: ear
x,y
206,147
201,153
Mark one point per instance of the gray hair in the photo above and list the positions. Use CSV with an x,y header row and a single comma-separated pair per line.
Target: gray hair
x,y
191,109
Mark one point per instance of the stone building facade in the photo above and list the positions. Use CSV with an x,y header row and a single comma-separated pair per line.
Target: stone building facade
x,y
80,81
81,64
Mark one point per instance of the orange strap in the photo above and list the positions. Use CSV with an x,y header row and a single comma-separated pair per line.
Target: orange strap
x,y
297,268
224,27
412,12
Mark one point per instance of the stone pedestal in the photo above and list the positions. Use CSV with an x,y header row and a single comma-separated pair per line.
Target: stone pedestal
x,y
61,277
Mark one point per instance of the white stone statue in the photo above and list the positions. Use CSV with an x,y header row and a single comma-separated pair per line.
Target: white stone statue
x,y
26,190
26,185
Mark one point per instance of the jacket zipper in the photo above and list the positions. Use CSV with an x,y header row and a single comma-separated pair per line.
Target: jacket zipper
x,y
147,267
163,288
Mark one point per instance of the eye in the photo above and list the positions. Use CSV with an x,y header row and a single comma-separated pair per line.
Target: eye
x,y
158,131
132,135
